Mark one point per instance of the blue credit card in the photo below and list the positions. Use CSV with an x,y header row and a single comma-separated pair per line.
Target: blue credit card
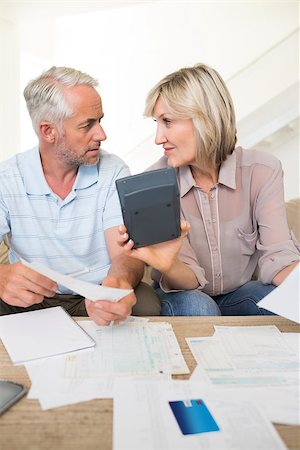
x,y
193,416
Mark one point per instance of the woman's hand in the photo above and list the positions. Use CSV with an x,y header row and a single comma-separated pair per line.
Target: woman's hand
x,y
160,256
281,276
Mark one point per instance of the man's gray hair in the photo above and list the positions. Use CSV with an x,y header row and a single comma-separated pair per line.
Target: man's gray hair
x,y
45,95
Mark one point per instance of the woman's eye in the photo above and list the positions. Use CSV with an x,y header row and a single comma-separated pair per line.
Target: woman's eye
x,y
167,121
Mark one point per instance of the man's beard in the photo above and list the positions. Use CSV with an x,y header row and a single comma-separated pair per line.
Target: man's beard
x,y
72,158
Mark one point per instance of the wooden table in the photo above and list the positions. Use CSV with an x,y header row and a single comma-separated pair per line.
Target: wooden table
x,y
88,425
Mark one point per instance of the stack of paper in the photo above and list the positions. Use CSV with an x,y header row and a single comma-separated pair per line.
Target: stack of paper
x,y
203,412
258,362
144,418
131,349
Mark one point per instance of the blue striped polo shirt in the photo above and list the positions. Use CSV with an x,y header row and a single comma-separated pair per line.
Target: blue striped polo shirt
x,y
66,235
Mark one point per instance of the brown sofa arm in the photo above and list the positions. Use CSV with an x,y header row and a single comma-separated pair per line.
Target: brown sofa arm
x,y
293,216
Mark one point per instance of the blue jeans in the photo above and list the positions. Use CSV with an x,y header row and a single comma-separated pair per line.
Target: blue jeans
x,y
241,302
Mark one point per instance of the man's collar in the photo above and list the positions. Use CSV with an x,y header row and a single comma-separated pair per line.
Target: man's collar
x,y
34,178
227,175
86,176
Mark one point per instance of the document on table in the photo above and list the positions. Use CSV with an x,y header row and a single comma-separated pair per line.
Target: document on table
x,y
143,418
88,290
54,389
257,347
285,299
245,356
135,349
42,333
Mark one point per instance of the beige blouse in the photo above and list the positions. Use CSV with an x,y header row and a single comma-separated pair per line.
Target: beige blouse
x,y
241,226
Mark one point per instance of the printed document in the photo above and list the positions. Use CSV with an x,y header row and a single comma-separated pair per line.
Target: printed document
x,y
257,363
131,349
143,419
245,356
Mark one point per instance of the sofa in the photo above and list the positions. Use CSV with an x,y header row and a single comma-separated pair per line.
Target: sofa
x,y
293,217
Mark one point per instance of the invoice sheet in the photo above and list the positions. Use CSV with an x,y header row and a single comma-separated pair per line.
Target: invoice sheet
x,y
143,419
88,290
280,404
57,390
285,299
257,347
245,356
131,349
293,341
53,389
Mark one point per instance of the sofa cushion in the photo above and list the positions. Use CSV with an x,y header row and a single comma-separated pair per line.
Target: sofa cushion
x,y
3,253
293,216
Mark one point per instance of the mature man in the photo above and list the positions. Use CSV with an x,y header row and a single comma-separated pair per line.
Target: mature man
x,y
59,206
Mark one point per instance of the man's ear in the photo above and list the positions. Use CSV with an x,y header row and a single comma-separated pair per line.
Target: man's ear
x,y
48,132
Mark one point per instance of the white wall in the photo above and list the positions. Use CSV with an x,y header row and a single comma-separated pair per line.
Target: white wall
x,y
9,89
132,47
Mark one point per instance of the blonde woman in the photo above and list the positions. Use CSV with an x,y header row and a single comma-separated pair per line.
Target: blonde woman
x,y
231,197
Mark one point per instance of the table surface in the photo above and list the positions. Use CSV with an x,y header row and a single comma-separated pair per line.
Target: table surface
x,y
88,425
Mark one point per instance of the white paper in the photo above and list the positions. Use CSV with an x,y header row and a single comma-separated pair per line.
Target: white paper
x,y
280,404
88,290
143,419
53,388
257,347
245,356
42,333
131,349
258,363
285,299
293,341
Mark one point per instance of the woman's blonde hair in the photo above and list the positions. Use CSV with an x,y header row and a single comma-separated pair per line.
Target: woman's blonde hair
x,y
200,93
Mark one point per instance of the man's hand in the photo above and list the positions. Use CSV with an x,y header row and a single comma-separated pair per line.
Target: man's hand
x,y
22,286
104,312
